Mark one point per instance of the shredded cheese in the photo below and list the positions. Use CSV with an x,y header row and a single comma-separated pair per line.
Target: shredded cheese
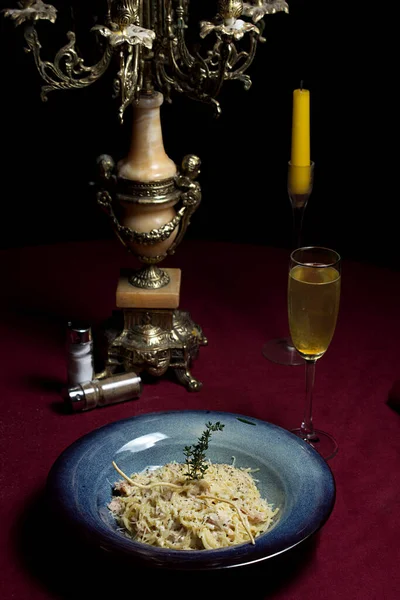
x,y
164,508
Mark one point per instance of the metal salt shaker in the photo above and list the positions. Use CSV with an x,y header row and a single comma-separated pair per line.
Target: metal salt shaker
x,y
80,364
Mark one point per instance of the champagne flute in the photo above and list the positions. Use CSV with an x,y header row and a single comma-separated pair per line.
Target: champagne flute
x,y
300,181
313,305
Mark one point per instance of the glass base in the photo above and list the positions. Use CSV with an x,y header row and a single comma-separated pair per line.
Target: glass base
x,y
321,441
283,352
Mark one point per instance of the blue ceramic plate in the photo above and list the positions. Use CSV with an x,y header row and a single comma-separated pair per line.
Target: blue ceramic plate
x,y
291,475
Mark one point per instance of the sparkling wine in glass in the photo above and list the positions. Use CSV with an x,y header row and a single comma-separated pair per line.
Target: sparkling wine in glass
x,y
299,184
313,306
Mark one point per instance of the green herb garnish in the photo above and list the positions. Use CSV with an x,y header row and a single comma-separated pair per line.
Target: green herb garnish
x,y
195,455
245,421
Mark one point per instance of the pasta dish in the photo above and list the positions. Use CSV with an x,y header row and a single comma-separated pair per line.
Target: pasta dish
x,y
161,507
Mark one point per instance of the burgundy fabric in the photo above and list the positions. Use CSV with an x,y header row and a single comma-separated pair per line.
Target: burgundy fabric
x,y
237,293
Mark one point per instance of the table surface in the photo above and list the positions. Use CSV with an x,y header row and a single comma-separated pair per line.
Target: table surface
x,y
237,293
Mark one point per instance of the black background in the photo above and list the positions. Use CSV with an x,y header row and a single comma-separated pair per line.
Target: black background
x,y
48,150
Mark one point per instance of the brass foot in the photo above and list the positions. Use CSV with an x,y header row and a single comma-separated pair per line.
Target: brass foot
x,y
184,377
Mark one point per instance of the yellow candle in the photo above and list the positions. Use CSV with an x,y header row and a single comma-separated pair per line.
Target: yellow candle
x,y
300,156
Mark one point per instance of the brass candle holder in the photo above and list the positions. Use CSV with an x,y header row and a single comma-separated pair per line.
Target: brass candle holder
x,y
148,199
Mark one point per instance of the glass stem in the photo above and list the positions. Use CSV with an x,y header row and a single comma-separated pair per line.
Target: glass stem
x,y
307,427
298,214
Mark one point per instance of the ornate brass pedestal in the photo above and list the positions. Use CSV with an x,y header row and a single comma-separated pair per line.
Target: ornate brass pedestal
x,y
154,341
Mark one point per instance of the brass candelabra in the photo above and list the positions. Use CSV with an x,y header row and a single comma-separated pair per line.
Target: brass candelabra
x,y
148,199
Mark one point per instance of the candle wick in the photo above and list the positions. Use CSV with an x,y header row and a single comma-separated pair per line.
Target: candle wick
x,y
301,84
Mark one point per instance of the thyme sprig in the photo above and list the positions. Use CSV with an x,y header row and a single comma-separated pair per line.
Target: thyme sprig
x,y
196,454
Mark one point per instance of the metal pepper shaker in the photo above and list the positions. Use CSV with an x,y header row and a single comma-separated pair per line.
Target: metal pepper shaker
x,y
80,363
102,392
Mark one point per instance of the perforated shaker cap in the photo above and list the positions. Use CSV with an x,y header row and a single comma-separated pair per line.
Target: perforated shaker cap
x,y
79,332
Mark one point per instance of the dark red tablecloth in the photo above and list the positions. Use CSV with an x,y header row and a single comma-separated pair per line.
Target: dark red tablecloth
x,y
237,293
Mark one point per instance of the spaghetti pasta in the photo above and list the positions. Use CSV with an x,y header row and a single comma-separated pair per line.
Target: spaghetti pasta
x,y
161,507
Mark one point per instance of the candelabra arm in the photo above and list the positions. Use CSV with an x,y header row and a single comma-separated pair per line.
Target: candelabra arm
x,y
248,59
172,55
223,51
68,70
129,79
184,53
192,74
201,78
149,38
